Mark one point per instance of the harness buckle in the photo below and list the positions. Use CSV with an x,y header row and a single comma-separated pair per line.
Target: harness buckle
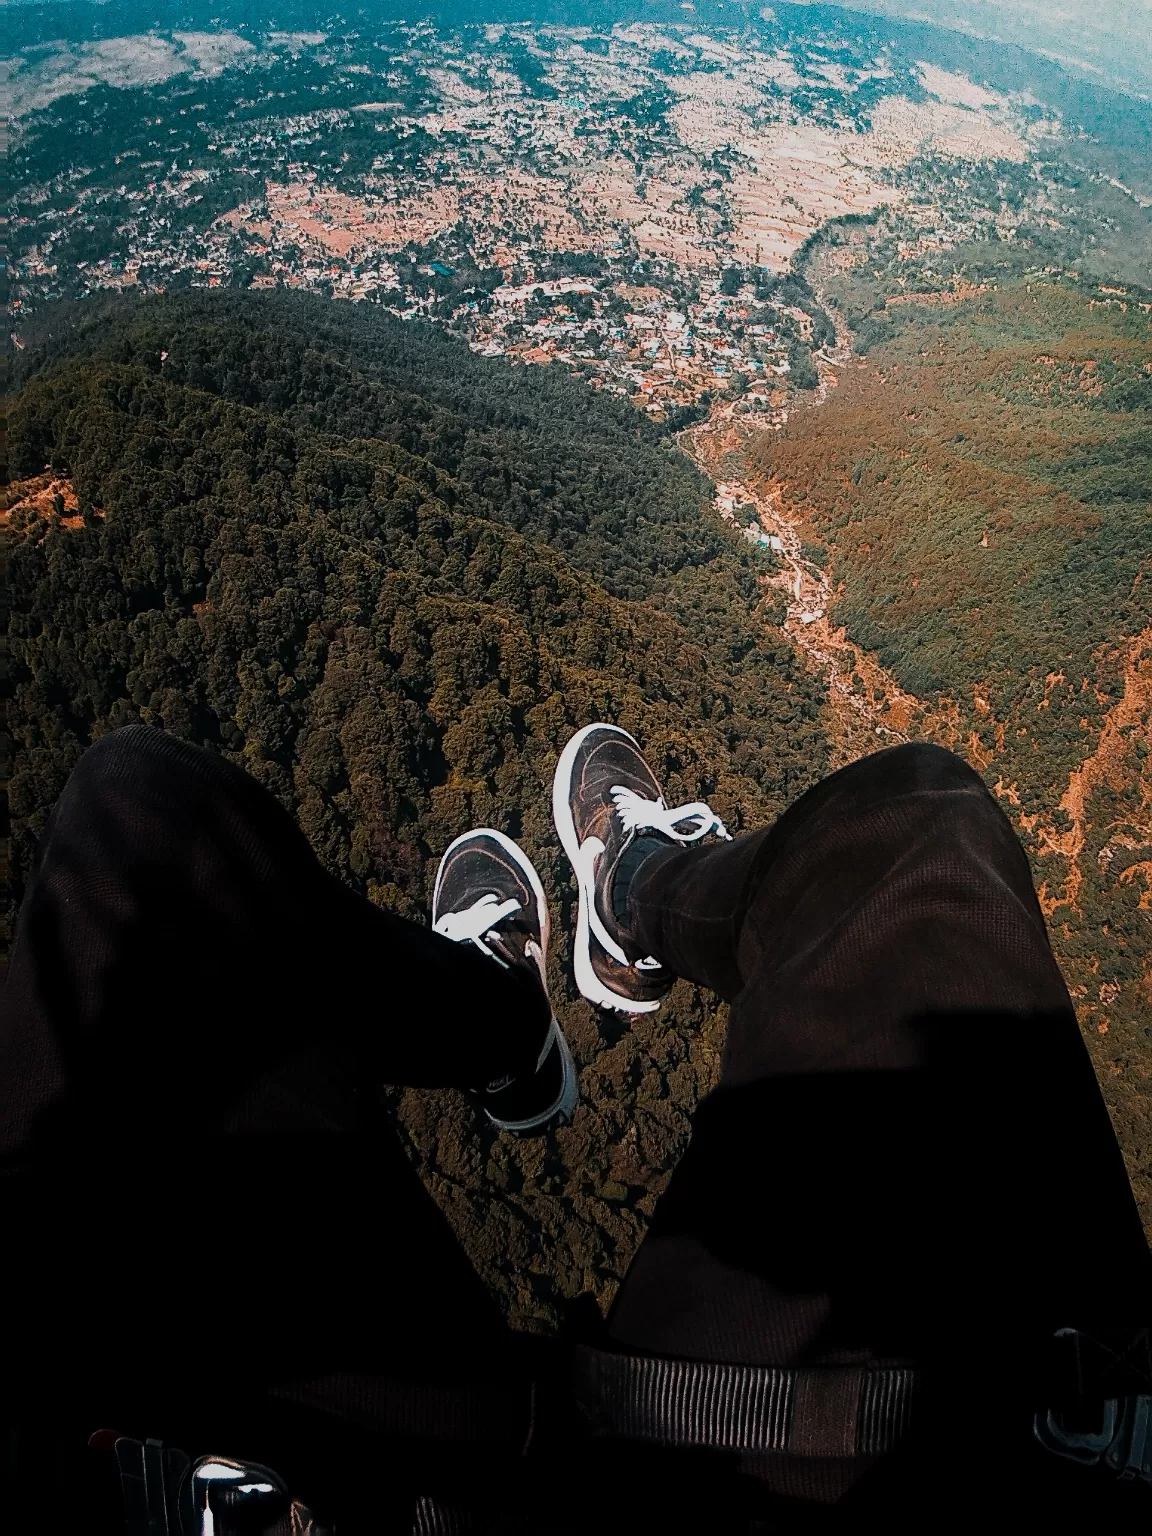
x,y
1113,1431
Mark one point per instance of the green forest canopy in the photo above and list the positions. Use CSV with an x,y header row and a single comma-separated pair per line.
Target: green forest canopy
x,y
389,577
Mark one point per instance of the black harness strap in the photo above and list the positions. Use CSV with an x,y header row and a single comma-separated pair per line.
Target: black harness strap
x,y
833,1411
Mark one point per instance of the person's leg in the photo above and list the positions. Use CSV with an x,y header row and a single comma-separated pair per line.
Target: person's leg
x,y
908,1157
178,928
200,1196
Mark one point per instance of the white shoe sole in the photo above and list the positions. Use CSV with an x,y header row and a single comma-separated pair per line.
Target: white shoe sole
x,y
587,981
566,1100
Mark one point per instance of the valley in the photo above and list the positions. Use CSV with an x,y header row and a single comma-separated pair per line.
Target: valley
x,y
865,707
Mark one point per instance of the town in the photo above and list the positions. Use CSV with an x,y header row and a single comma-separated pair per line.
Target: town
x,y
630,204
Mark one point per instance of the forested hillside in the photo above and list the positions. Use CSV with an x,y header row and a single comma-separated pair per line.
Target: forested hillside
x,y
389,578
982,479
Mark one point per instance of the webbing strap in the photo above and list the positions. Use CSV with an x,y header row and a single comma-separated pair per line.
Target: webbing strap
x,y
833,1411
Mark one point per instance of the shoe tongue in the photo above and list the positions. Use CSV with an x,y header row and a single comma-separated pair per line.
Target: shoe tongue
x,y
504,944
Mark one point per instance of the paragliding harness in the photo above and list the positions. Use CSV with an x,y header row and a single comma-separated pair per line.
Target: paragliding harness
x,y
1100,1388
1103,1403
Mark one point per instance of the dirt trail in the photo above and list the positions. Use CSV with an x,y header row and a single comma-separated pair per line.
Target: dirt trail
x,y
1115,765
867,708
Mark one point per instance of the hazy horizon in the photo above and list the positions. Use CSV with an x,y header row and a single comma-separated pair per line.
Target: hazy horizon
x,y
1108,41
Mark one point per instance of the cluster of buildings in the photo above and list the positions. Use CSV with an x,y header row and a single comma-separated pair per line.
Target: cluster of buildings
x,y
642,340
521,188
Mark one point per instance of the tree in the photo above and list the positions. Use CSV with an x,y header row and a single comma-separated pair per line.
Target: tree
x,y
801,370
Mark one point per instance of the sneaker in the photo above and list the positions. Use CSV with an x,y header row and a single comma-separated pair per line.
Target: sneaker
x,y
488,894
603,796
163,1490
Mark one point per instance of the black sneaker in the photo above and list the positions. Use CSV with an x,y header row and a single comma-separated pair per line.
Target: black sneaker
x,y
603,796
488,894
162,1490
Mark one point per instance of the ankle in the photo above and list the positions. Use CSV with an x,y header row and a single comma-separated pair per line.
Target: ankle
x,y
638,852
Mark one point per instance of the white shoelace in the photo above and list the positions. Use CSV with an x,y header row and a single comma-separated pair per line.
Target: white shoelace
x,y
637,815
471,924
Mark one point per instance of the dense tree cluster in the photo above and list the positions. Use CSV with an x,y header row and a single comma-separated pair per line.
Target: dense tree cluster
x,y
565,465
389,578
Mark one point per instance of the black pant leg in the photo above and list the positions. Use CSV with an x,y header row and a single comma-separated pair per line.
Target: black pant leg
x,y
199,1194
179,933
908,1156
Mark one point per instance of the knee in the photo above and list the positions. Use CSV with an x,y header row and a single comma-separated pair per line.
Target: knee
x,y
129,743
926,779
937,788
136,756
127,750
922,765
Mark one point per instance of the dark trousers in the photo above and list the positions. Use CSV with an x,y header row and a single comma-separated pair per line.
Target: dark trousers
x,y
907,1158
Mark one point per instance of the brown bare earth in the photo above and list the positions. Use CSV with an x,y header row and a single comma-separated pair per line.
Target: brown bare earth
x,y
1109,768
1105,814
38,497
